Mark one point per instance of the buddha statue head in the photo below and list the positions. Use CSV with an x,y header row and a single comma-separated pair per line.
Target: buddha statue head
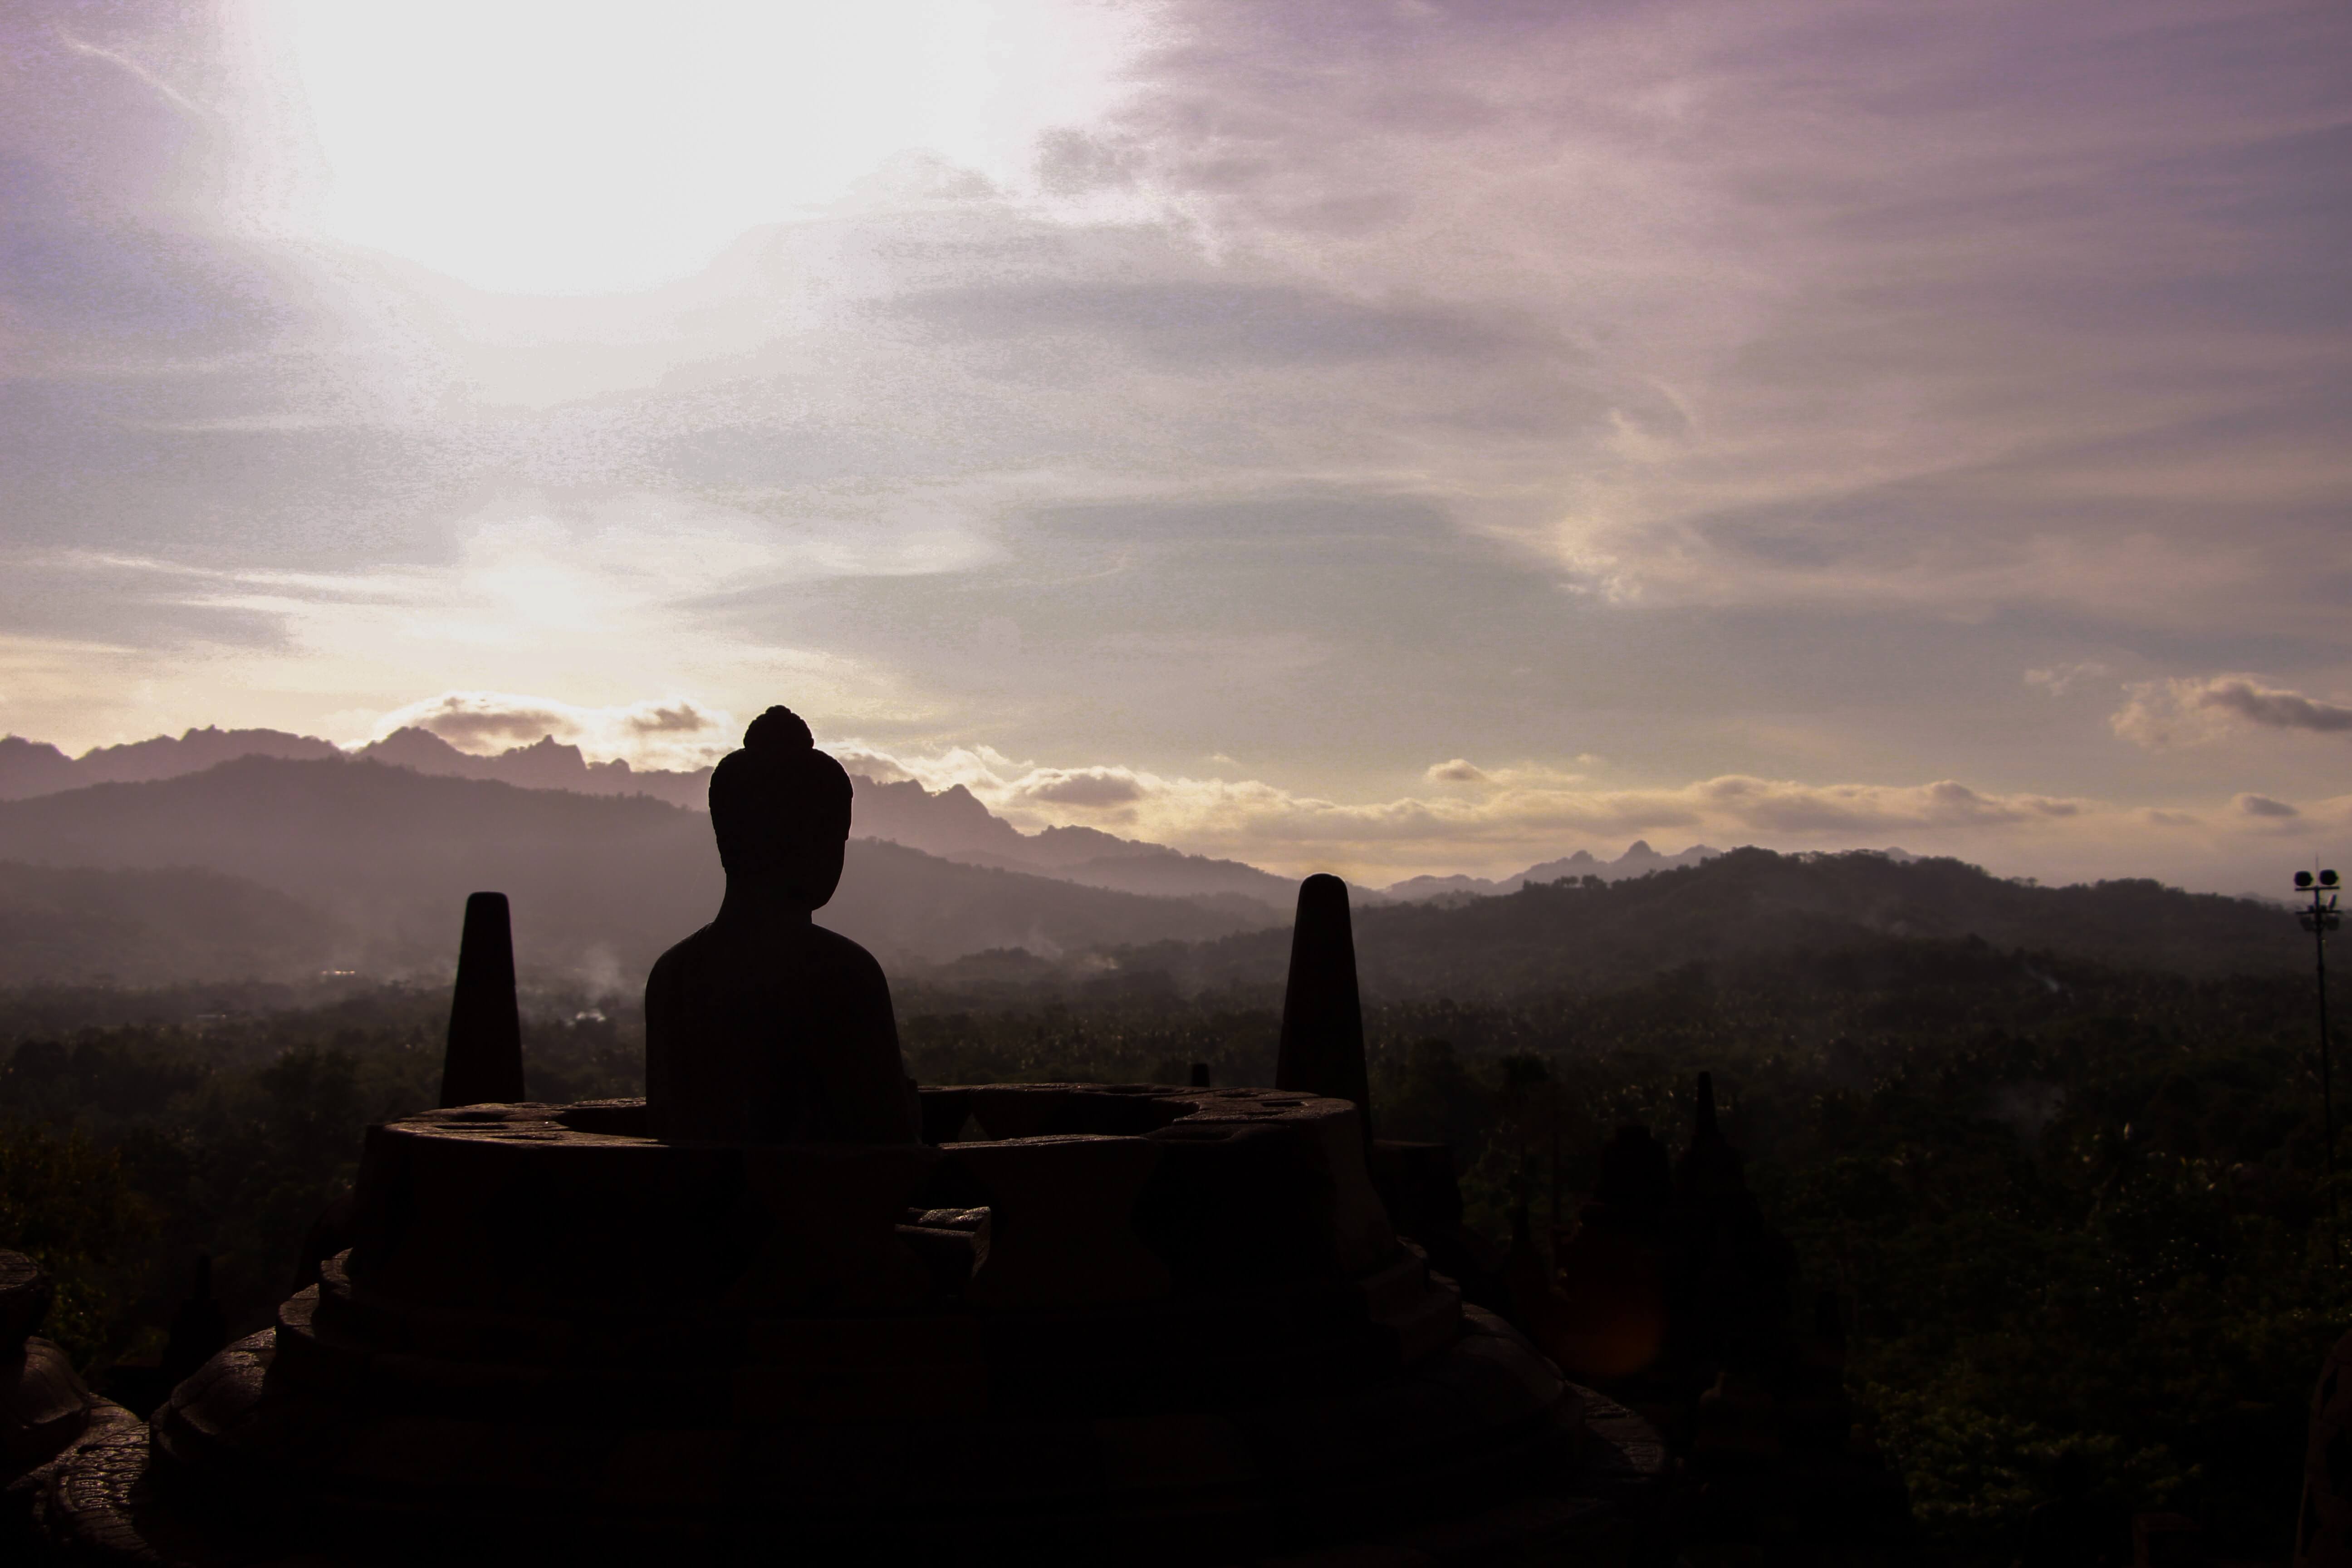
x,y
780,810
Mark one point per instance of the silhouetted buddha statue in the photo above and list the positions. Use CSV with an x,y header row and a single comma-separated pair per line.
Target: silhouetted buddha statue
x,y
764,1027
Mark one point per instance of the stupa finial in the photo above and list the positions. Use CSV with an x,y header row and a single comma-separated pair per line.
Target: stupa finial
x,y
1322,1050
483,1062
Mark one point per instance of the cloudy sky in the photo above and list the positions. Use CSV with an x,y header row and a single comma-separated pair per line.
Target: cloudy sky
x,y
1432,436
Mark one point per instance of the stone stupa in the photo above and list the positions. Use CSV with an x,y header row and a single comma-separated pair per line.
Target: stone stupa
x,y
794,1309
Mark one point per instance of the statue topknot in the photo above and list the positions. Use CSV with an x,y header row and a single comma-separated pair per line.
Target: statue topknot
x,y
779,730
778,799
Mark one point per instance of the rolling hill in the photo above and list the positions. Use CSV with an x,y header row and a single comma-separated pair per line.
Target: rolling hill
x,y
1752,910
1638,860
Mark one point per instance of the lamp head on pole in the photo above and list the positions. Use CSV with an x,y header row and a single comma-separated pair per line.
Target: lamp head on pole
x,y
2321,915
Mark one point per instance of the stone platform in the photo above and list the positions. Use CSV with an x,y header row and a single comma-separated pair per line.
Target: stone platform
x,y
1130,1324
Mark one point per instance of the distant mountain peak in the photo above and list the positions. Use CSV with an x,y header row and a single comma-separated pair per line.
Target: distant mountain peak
x,y
29,768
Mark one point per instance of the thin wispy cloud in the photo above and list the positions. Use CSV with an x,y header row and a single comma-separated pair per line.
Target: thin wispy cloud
x,y
2194,711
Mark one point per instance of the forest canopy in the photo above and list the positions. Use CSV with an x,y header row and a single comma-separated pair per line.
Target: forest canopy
x,y
2072,1211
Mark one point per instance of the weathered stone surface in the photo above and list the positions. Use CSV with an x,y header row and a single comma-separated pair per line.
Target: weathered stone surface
x,y
507,1366
1060,1230
43,1407
1237,1201
95,1503
1362,1237
1173,1489
509,1208
23,1536
947,1253
25,1294
831,1243
2323,1536
519,1207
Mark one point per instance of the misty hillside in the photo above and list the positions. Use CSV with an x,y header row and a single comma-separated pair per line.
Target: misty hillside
x,y
1751,908
143,928
381,859
903,903
1155,870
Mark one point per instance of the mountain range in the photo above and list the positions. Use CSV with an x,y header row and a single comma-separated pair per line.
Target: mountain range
x,y
30,768
278,868
377,861
952,823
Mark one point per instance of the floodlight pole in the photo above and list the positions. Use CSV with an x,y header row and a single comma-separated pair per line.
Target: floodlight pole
x,y
2320,919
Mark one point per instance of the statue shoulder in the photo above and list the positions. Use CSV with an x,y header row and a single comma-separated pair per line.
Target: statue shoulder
x,y
837,952
680,958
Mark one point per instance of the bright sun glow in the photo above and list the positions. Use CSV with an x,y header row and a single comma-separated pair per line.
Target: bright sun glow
x,y
594,146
